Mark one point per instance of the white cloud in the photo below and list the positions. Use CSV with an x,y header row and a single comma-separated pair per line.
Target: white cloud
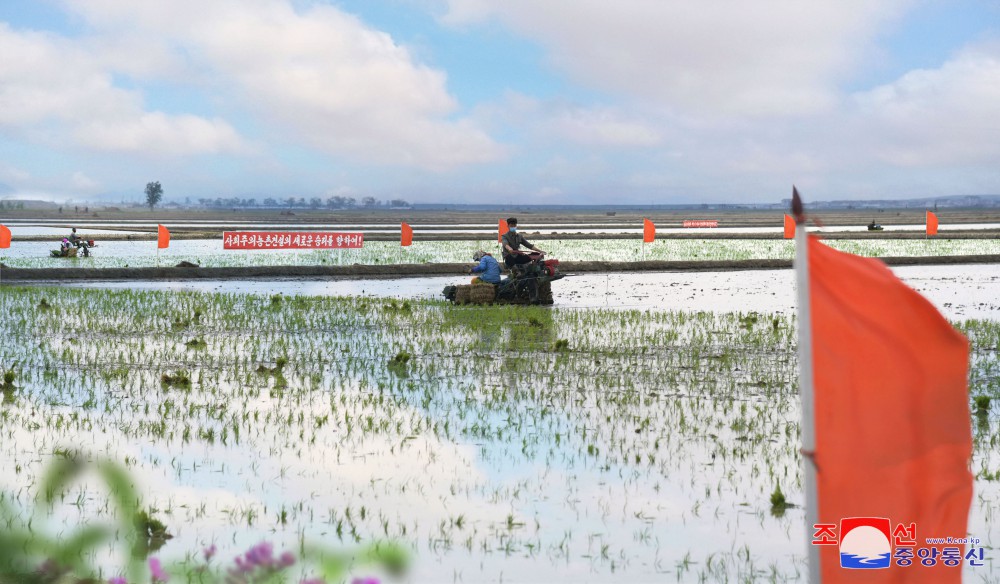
x,y
769,57
83,182
55,89
948,115
317,76
560,121
720,99
13,173
157,132
603,127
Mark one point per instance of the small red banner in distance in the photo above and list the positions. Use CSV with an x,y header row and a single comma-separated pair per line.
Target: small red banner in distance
x,y
700,223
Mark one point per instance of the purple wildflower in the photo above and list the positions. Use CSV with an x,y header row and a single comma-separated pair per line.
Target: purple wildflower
x,y
210,552
118,580
157,570
259,561
368,580
260,555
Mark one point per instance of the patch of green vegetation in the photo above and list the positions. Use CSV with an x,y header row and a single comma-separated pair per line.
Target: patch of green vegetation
x,y
198,343
982,403
778,503
180,379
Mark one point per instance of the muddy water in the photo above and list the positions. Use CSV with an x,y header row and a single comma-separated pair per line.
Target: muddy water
x,y
960,292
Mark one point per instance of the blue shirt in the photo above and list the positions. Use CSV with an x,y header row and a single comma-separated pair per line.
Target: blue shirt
x,y
490,269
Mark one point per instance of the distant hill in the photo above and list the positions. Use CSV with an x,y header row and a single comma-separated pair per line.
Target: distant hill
x,y
955,201
952,202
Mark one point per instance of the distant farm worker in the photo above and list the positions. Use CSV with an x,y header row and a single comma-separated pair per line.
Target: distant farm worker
x,y
488,266
512,242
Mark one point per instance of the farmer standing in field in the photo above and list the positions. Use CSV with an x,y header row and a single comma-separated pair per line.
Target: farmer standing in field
x,y
512,242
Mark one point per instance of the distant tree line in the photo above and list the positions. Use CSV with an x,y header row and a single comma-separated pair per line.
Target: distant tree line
x,y
303,203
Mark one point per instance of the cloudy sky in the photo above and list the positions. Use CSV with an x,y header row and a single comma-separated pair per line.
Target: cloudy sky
x,y
561,101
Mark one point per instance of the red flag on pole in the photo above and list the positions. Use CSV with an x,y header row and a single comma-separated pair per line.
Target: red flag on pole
x,y
891,416
405,235
162,237
932,223
648,231
789,227
4,237
502,228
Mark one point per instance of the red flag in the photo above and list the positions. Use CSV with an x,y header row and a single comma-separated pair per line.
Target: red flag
x,y
932,223
789,227
406,235
891,411
162,237
648,231
502,228
4,237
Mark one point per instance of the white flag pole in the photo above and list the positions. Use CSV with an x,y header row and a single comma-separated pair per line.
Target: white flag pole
x,y
806,389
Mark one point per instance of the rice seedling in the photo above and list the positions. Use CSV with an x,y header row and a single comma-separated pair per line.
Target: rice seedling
x,y
208,253
485,439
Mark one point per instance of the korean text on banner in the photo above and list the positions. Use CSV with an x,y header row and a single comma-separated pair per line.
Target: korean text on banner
x,y
291,240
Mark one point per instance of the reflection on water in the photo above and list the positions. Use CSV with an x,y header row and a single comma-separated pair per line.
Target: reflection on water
x,y
209,253
496,455
483,228
643,448
959,292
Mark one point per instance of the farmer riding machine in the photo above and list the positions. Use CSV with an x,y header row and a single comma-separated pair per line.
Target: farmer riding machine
x,y
527,283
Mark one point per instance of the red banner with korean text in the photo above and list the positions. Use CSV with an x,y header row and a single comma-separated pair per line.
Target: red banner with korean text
x,y
700,223
291,240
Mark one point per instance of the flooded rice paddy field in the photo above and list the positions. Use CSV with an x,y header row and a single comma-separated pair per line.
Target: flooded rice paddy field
x,y
960,292
209,253
477,230
513,444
